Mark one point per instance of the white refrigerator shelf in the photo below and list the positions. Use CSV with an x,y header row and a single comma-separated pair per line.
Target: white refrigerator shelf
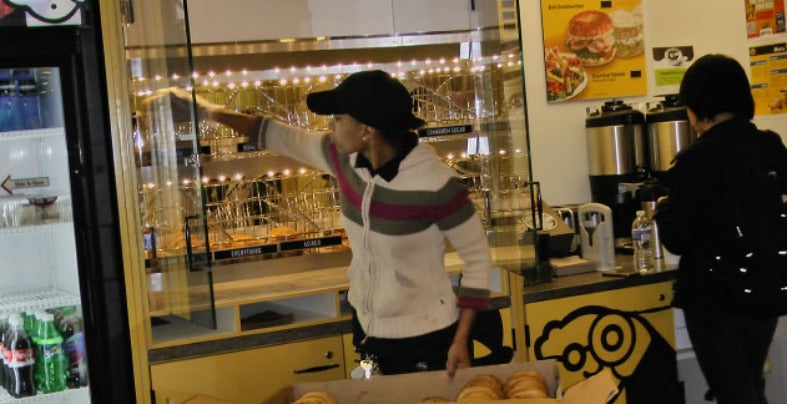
x,y
32,133
38,299
81,395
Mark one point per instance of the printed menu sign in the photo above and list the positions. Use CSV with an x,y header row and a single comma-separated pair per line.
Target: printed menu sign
x,y
768,67
764,17
593,49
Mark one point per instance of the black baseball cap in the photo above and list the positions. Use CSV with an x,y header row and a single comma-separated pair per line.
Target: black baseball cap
x,y
372,97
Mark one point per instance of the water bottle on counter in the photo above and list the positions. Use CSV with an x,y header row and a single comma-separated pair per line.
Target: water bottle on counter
x,y
641,237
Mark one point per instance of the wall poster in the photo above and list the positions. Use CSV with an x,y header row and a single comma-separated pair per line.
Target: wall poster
x,y
764,17
670,64
593,49
768,69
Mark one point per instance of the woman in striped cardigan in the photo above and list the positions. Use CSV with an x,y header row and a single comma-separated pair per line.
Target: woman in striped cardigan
x,y
399,205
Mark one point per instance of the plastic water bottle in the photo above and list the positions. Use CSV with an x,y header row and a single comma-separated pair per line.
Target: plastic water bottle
x,y
51,363
642,236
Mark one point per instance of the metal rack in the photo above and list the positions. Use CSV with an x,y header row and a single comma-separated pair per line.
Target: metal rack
x,y
244,212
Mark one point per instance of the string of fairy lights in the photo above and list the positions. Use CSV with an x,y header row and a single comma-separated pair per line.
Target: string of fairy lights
x,y
143,86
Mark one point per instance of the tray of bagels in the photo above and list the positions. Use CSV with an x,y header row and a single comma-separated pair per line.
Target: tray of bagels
x,y
535,382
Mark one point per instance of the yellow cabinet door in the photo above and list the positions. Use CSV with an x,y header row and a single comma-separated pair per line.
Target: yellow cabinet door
x,y
629,331
251,375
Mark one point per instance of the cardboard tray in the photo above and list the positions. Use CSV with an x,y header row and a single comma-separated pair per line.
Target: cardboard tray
x,y
412,387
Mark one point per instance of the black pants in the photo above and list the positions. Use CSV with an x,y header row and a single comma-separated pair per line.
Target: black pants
x,y
731,351
405,355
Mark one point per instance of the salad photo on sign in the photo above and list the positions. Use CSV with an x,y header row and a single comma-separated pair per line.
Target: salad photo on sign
x,y
593,49
565,75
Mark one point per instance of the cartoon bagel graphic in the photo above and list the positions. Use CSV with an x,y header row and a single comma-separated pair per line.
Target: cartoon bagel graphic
x,y
50,11
592,338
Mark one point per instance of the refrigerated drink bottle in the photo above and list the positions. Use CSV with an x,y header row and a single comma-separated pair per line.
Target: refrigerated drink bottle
x,y
28,102
29,323
6,352
3,329
70,327
51,362
20,357
8,105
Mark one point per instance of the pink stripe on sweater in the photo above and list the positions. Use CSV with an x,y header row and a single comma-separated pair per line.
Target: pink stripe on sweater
x,y
391,211
478,303
348,192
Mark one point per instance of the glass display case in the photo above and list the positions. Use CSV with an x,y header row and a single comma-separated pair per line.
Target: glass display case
x,y
217,216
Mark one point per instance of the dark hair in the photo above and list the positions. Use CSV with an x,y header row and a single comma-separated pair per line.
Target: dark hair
x,y
715,84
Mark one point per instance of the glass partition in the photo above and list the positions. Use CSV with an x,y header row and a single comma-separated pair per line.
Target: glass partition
x,y
171,199
211,205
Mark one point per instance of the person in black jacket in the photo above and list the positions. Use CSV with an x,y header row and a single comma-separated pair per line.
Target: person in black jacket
x,y
705,186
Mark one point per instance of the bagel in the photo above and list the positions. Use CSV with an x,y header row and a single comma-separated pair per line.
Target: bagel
x,y
316,397
486,380
479,392
590,36
434,399
530,388
282,232
526,384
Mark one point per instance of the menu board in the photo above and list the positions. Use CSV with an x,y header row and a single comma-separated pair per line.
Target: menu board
x,y
768,67
593,49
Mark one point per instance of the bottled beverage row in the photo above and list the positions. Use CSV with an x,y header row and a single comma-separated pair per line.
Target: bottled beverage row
x,y
43,351
19,101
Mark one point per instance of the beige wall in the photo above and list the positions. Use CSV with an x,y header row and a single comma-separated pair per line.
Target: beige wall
x,y
557,131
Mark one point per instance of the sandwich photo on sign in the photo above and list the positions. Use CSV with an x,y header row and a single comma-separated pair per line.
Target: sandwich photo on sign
x,y
593,49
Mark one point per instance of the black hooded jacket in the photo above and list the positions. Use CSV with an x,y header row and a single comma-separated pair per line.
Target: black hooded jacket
x,y
706,185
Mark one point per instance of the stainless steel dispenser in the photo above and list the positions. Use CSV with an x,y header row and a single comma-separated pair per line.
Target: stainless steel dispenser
x,y
617,160
668,131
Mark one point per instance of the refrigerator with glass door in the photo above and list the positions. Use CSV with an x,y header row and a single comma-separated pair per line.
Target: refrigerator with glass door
x,y
62,290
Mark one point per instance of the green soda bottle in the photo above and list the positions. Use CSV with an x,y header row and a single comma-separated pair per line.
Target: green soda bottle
x,y
29,318
51,361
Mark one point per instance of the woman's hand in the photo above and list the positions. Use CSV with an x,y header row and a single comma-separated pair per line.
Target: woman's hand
x,y
458,358
182,104
458,355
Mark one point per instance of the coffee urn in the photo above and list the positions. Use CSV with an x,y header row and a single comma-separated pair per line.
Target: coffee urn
x,y
669,132
617,160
